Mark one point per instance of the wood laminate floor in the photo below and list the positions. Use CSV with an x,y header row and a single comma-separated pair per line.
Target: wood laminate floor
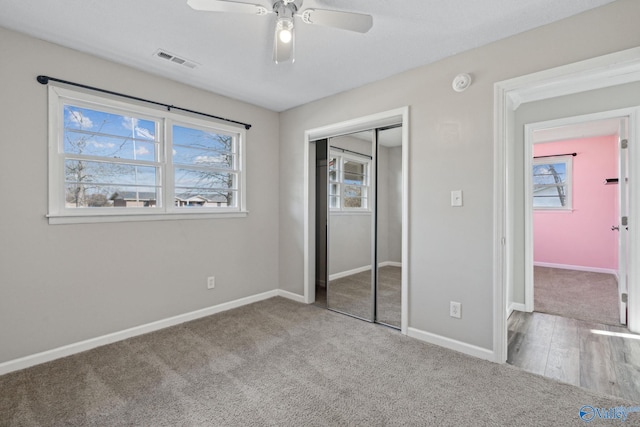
x,y
600,357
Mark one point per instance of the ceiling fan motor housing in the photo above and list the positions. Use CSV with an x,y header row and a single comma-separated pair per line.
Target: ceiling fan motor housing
x,y
285,8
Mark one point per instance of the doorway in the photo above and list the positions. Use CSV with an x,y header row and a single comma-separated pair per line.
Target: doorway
x,y
612,79
576,251
576,198
351,188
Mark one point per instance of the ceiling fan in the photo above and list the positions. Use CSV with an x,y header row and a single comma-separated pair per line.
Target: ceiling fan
x,y
285,11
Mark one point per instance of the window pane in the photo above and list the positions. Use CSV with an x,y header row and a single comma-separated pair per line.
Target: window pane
x,y
354,202
214,159
202,140
105,196
106,146
197,197
94,121
334,189
204,185
333,163
550,185
334,202
353,191
87,172
354,172
191,178
551,173
549,196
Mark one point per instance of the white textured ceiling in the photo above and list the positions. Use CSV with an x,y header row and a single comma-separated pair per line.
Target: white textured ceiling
x,y
234,52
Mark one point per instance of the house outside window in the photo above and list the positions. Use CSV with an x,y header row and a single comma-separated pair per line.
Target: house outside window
x,y
552,183
111,160
349,182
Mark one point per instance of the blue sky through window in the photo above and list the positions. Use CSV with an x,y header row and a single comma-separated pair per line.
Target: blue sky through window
x,y
98,133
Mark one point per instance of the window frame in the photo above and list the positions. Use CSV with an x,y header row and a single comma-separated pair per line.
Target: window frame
x,y
58,213
568,162
342,157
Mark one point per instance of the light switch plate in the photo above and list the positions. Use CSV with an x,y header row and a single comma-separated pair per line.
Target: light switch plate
x,y
456,198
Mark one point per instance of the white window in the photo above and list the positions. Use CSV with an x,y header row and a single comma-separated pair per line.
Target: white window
x,y
111,160
552,183
348,182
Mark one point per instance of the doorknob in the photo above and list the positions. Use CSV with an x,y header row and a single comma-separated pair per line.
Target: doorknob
x,y
615,227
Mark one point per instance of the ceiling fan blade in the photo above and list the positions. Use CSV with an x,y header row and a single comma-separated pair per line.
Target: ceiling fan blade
x,y
358,22
227,6
282,51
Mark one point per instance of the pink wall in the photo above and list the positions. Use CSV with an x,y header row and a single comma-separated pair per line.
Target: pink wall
x,y
582,237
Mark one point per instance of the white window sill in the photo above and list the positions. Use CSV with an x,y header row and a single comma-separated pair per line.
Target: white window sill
x,y
132,217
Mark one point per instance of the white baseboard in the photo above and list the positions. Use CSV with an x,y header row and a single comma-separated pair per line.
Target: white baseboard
x,y
342,274
390,264
291,296
68,350
577,268
515,306
451,344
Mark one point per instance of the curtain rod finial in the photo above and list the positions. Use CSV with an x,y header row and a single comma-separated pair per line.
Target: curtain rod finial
x,y
43,79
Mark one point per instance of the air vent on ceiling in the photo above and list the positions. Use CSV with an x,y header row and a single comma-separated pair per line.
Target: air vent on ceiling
x,y
160,53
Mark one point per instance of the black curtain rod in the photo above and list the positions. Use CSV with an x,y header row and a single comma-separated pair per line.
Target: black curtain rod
x,y
556,155
45,79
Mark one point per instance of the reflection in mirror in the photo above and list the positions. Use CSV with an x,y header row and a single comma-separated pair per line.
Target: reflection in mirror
x,y
318,181
351,216
389,226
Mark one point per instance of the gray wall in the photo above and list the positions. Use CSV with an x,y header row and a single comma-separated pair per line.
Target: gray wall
x,y
451,148
389,204
61,284
349,242
382,211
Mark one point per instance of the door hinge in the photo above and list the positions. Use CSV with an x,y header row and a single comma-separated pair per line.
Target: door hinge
x,y
624,298
625,220
624,143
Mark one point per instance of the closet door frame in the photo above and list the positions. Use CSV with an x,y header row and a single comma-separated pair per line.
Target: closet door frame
x,y
399,116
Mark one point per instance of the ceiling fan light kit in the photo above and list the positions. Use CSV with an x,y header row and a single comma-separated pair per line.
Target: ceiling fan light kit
x,y
286,11
285,30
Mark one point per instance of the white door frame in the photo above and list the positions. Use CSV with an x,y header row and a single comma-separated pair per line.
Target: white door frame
x,y
387,118
605,71
630,114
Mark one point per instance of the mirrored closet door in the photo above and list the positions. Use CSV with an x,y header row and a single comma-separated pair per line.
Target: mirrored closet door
x,y
359,224
389,226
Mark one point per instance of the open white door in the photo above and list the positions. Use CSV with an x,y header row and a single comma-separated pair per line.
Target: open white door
x,y
623,214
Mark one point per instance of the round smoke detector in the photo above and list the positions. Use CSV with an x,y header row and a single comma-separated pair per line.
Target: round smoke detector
x,y
461,82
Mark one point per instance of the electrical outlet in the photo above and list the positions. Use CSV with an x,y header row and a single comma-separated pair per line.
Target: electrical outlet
x,y
455,309
211,282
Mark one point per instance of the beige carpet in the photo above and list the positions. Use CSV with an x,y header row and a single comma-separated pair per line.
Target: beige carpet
x,y
281,363
582,295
